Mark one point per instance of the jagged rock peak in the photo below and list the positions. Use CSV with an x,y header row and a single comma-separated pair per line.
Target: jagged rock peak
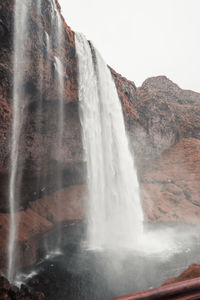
x,y
160,83
165,87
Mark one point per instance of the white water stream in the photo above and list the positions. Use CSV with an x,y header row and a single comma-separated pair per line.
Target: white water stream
x,y
57,40
115,216
20,61
20,36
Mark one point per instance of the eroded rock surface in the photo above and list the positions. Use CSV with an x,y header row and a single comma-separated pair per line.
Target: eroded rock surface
x,y
170,186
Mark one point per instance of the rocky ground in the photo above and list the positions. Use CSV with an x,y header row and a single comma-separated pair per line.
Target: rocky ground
x,y
11,292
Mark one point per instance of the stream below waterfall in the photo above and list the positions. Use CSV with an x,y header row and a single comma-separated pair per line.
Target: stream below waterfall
x,y
80,274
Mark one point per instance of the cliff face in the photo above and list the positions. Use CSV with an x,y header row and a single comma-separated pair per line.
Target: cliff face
x,y
38,159
162,122
39,130
166,144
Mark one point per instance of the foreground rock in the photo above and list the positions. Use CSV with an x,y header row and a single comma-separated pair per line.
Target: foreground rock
x,y
11,292
193,271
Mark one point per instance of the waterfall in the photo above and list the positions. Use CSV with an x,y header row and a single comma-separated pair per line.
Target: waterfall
x,y
114,212
57,40
21,60
20,36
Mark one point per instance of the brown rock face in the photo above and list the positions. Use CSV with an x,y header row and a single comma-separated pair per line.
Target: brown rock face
x,y
163,120
38,159
171,184
193,271
163,126
32,227
71,200
38,147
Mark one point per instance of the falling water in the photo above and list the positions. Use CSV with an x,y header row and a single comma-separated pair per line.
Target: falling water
x,y
60,72
20,35
57,40
47,43
115,216
21,60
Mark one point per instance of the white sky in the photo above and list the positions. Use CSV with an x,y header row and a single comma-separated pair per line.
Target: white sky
x,y
143,38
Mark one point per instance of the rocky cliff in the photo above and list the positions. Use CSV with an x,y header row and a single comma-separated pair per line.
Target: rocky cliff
x,y
162,123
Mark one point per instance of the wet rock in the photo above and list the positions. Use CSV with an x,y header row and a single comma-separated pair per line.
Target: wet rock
x,y
4,296
71,200
14,292
193,271
2,31
32,228
10,292
4,283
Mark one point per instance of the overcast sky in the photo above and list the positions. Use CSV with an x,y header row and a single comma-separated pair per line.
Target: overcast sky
x,y
143,38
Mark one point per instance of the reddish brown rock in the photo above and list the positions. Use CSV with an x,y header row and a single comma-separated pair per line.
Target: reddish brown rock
x,y
38,147
162,120
32,228
193,271
64,205
171,92
127,92
170,187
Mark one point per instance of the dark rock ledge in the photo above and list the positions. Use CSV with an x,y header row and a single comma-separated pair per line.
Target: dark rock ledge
x,y
11,292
